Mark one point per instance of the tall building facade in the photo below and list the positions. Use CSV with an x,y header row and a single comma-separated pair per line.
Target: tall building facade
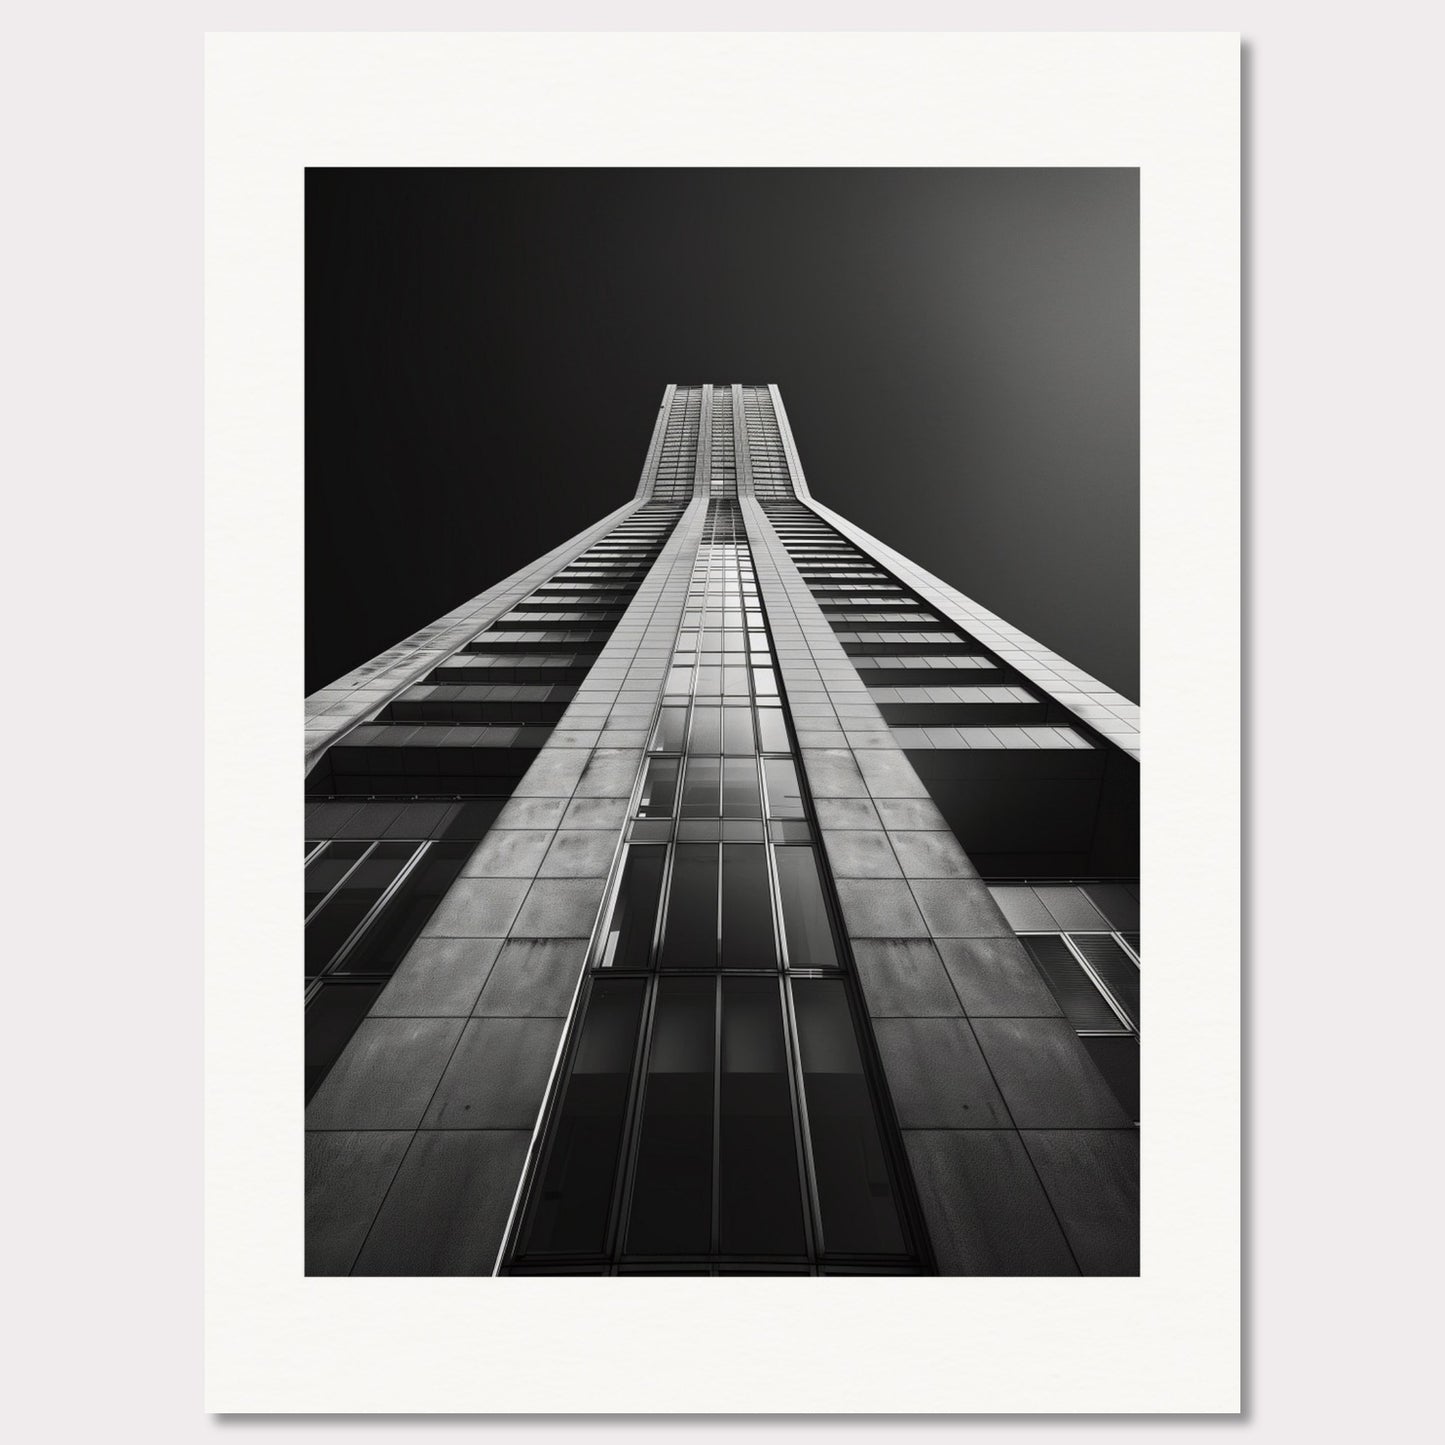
x,y
723,894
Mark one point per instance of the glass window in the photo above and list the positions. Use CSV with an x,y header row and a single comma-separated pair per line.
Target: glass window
x,y
765,682
394,930
671,728
805,915
328,868
691,937
628,940
701,787
855,1192
679,680
772,730
333,924
740,798
706,730
709,681
785,794
759,1202
747,909
738,730
672,1184
659,788
569,1210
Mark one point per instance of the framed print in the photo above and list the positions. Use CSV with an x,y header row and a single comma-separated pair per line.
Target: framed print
x,y
728,503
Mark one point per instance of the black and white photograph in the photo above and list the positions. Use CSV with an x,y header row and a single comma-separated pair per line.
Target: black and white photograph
x,y
721,849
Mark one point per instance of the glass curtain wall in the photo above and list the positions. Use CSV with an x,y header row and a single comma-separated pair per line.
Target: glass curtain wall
x,y
716,1111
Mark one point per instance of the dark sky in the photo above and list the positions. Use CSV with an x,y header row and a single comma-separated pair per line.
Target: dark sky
x,y
957,350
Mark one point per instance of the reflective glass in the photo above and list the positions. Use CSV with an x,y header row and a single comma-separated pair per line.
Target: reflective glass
x,y
672,1184
740,797
747,908
706,734
785,794
659,788
328,868
570,1203
805,915
700,788
760,1208
333,924
855,1192
691,937
772,730
738,730
670,730
628,940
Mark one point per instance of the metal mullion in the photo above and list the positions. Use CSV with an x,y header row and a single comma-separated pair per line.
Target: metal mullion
x,y
360,859
626,1177
802,1134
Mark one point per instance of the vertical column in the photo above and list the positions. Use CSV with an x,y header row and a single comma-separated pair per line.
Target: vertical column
x,y
417,1139
1019,1150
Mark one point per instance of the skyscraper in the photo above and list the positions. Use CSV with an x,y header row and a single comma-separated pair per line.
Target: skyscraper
x,y
722,894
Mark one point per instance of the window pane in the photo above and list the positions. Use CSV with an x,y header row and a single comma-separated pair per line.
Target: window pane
x,y
805,915
572,1200
700,792
691,939
855,1192
1083,1005
785,795
740,798
706,730
328,868
738,730
679,680
747,909
709,681
352,901
671,726
772,731
659,788
628,943
759,1203
386,941
765,682
735,681
672,1188
1119,972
